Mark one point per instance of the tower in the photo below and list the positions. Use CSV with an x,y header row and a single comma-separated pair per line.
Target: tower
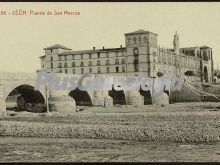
x,y
141,50
177,52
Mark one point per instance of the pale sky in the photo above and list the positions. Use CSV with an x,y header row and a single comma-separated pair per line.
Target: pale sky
x,y
102,24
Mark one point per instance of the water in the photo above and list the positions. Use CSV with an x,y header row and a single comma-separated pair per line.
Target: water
x,y
18,149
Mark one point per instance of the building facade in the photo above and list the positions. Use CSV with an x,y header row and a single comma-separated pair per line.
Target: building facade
x,y
141,55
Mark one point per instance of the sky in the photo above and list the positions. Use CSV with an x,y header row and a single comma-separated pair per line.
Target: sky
x,y
23,37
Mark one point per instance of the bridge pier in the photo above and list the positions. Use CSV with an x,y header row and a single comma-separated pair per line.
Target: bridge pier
x,y
2,103
98,99
101,98
162,99
134,98
61,102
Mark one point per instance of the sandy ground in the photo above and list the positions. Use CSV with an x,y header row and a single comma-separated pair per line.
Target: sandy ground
x,y
175,122
97,150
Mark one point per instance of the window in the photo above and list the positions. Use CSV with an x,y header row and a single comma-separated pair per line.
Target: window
x,y
135,61
123,69
107,62
65,58
136,69
51,58
81,56
60,70
90,63
60,65
73,57
117,69
107,69
99,70
82,64
73,71
107,54
116,61
82,70
51,65
135,51
116,54
122,61
90,70
134,40
145,39
98,62
90,55
122,54
66,71
98,54
60,58
129,41
65,65
73,64
139,40
43,65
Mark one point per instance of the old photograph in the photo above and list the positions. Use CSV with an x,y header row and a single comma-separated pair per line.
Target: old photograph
x,y
109,82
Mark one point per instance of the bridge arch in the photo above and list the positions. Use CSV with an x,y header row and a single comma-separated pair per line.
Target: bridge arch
x,y
82,98
147,96
24,97
119,97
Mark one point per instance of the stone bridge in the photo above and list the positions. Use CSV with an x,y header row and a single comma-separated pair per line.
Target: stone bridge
x,y
23,84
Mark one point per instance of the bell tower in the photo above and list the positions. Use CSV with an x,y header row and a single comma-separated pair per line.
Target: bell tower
x,y
177,52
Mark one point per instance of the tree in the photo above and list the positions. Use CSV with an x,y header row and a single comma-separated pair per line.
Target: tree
x,y
189,73
159,74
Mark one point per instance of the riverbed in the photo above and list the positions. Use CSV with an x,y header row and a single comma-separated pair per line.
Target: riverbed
x,y
33,149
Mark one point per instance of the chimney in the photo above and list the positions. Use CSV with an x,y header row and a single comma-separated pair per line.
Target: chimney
x,y
93,48
121,46
103,47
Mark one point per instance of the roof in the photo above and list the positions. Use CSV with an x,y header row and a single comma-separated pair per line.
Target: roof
x,y
57,46
141,31
91,51
204,47
42,56
201,47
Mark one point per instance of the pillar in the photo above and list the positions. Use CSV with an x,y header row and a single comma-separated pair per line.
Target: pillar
x,y
108,100
98,99
101,98
162,99
2,102
61,102
134,98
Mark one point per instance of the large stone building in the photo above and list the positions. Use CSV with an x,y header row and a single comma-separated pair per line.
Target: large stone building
x,y
141,55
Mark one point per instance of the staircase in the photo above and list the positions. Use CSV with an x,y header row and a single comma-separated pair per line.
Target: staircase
x,y
205,96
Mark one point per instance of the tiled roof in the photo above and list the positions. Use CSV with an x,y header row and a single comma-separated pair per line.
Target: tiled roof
x,y
141,31
91,51
57,46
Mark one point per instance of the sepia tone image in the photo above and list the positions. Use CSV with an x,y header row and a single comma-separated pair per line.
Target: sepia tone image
x,y
110,82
